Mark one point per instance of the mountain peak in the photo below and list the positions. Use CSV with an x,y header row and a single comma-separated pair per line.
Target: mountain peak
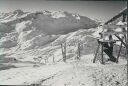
x,y
18,11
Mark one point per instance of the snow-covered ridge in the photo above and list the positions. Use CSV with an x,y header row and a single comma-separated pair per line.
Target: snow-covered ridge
x,y
58,21
17,14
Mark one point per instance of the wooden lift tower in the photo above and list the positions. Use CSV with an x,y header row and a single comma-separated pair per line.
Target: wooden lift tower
x,y
106,46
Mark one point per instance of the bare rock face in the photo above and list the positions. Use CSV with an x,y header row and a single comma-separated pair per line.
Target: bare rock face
x,y
7,44
10,40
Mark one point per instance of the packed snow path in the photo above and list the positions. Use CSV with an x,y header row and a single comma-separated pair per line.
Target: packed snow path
x,y
30,75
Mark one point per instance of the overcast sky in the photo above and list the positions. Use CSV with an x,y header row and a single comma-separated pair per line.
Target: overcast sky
x,y
102,10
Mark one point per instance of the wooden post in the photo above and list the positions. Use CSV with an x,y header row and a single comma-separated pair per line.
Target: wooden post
x,y
119,53
78,51
127,51
65,51
123,20
62,51
63,47
126,41
102,50
45,60
53,59
96,52
124,17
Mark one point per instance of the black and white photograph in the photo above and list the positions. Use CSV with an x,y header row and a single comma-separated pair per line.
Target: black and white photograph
x,y
63,43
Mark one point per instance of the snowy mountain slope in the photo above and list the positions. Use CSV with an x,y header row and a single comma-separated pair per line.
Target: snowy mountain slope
x,y
38,28
33,48
86,73
31,74
25,36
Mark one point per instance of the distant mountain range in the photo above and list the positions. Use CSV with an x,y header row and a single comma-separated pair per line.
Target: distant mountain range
x,y
26,25
51,22
23,31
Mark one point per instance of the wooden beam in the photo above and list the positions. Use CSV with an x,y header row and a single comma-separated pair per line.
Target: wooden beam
x,y
113,33
124,12
121,40
112,26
